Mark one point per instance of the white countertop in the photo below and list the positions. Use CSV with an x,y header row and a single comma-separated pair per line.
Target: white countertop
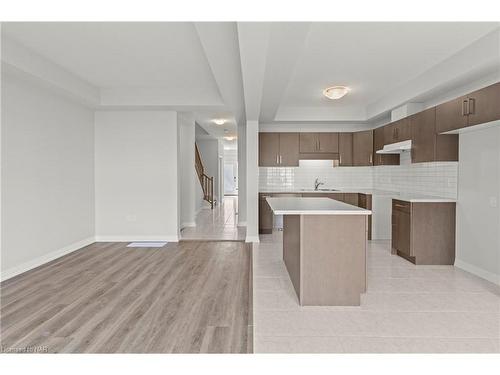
x,y
313,206
407,197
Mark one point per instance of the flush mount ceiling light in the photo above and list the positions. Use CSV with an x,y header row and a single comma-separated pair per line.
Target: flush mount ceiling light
x,y
335,92
219,121
229,138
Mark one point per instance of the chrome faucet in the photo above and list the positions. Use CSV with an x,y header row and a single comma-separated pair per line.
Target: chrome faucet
x,y
317,184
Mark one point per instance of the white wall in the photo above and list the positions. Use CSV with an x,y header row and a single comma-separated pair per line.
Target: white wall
x,y
252,182
187,191
242,175
478,209
136,175
47,175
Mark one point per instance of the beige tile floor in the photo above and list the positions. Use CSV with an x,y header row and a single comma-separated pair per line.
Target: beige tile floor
x,y
221,223
407,308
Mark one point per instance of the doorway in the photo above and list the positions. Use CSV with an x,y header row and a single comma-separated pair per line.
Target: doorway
x,y
231,178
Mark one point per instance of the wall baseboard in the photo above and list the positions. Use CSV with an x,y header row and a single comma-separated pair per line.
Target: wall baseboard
x,y
188,224
253,239
495,279
138,238
14,271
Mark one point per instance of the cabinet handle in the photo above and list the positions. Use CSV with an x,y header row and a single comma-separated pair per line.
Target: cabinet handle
x,y
340,159
371,159
465,107
319,144
277,159
471,106
280,159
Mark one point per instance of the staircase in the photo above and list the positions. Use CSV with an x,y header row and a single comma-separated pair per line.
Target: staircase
x,y
207,183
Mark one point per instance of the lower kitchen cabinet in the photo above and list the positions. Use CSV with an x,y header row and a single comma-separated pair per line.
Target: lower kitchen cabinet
x,y
365,201
265,215
350,198
424,232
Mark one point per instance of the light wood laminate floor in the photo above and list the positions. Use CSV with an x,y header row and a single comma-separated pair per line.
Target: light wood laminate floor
x,y
189,297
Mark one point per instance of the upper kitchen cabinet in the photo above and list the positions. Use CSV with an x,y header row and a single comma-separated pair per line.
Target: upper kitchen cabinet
x,y
319,143
345,149
362,148
451,115
378,144
278,149
397,131
484,105
269,148
289,150
427,144
478,107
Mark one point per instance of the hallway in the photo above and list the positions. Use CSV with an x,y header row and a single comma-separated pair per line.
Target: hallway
x,y
221,223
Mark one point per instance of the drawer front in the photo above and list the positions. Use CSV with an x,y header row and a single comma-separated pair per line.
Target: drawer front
x,y
401,205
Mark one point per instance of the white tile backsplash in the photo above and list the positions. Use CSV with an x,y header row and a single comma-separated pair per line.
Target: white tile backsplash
x,y
437,178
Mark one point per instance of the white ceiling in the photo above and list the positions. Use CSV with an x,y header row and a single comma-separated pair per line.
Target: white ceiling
x,y
372,59
153,54
272,72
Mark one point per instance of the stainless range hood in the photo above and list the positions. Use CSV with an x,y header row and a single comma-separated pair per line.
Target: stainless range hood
x,y
395,148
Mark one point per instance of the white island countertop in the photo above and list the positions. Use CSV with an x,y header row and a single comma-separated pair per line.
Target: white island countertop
x,y
403,196
313,206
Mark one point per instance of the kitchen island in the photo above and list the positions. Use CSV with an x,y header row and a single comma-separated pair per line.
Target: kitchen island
x,y
324,249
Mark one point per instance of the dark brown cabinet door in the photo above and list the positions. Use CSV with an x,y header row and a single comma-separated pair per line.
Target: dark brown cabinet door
x,y
378,144
451,115
345,149
427,144
401,227
403,233
308,142
269,148
351,198
328,142
362,146
423,127
265,215
403,130
484,105
390,133
288,150
397,131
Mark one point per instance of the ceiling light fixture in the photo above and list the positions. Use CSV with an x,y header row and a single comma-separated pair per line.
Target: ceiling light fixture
x,y
219,121
229,138
335,92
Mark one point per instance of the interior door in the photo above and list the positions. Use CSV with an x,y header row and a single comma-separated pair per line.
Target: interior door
x,y
230,179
